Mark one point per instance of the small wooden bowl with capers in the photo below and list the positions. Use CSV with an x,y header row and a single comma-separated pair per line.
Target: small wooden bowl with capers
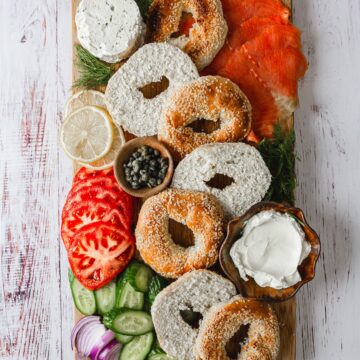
x,y
143,167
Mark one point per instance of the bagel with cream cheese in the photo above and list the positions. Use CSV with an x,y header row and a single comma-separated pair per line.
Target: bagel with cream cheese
x,y
241,163
198,211
224,320
151,63
194,293
213,98
205,37
111,30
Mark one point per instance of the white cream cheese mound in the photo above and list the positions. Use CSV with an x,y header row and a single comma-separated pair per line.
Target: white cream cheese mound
x,y
238,161
109,29
196,291
127,104
270,250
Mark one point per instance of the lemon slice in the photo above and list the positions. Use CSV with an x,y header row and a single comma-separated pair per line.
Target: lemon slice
x,y
87,134
83,98
109,159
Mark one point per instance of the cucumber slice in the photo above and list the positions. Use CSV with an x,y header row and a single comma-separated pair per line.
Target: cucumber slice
x,y
160,357
105,298
138,348
132,322
130,298
84,299
139,276
123,339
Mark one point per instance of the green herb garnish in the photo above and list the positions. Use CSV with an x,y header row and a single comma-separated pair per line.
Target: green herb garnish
x,y
92,71
279,156
144,7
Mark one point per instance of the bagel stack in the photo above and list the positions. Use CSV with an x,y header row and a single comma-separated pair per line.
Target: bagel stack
x,y
240,162
196,291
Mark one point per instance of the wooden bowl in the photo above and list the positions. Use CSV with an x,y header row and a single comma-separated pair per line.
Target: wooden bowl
x,y
250,288
123,156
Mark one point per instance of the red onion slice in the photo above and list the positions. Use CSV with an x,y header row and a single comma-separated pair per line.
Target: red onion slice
x,y
111,351
100,344
79,325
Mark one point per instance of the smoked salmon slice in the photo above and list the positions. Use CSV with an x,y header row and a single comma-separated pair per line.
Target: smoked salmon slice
x,y
238,11
290,65
264,110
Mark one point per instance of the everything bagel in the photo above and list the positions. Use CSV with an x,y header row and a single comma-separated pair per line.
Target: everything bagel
x,y
212,98
222,322
206,36
199,211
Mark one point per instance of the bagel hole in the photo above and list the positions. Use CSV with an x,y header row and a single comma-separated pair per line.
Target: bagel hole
x,y
153,89
238,340
191,317
204,126
186,23
220,181
181,235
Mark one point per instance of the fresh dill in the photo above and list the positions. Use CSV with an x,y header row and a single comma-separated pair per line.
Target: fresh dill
x,y
92,71
279,155
144,7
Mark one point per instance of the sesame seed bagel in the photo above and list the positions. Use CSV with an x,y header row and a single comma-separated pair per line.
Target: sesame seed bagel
x,y
240,162
207,35
212,98
198,211
196,291
126,103
222,322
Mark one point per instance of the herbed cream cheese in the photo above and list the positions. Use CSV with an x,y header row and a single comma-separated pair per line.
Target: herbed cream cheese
x,y
109,29
270,250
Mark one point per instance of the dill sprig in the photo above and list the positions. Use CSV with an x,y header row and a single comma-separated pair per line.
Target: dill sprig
x,y
144,7
278,154
92,71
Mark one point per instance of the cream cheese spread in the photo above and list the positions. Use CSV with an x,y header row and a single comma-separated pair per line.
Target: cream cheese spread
x,y
111,30
270,250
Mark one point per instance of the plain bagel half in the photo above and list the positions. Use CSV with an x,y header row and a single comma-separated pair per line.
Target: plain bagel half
x,y
195,292
240,162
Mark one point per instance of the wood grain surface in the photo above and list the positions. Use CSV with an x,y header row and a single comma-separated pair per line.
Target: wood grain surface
x,y
35,71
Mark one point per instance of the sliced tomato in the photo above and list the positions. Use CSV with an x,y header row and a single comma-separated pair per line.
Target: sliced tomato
x,y
99,252
105,181
87,212
91,193
85,173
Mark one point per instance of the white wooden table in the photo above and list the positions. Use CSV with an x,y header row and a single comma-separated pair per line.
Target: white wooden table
x,y
35,78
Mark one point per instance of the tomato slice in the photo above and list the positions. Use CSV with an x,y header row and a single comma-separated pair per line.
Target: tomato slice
x,y
99,252
91,193
85,173
107,181
114,197
87,212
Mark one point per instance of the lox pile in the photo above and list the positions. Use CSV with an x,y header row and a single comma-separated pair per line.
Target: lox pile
x,y
262,54
96,227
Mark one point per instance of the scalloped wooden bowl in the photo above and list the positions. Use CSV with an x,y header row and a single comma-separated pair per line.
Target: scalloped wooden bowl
x,y
250,288
126,150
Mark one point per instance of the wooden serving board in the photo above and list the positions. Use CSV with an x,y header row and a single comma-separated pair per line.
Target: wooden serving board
x,y
286,311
